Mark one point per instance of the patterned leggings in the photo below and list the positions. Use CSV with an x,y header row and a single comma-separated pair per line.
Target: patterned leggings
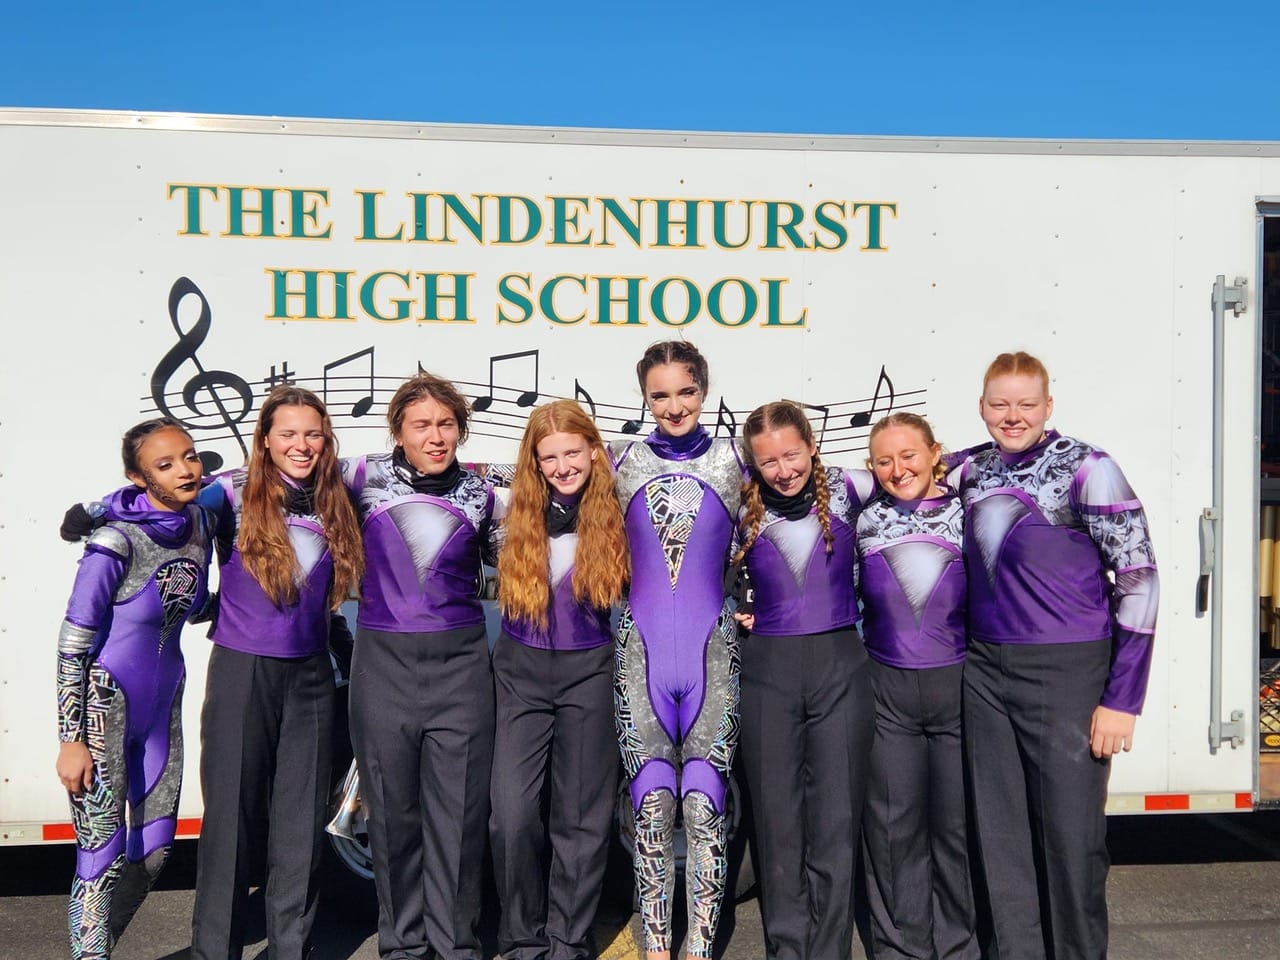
x,y
691,761
138,774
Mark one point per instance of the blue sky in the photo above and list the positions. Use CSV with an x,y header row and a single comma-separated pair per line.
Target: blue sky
x,y
1129,70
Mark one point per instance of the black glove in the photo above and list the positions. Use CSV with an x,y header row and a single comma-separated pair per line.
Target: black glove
x,y
78,523
208,613
738,586
341,643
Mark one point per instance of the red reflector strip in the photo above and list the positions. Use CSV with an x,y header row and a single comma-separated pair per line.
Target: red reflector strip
x,y
187,827
1244,801
1168,801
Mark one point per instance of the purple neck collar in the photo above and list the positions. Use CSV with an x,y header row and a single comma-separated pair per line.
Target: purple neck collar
x,y
1022,456
692,444
166,527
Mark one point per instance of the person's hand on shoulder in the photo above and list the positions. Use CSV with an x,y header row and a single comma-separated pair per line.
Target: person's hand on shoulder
x,y
81,520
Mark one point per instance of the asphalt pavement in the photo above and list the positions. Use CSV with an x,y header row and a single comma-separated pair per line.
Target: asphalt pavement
x,y
1182,887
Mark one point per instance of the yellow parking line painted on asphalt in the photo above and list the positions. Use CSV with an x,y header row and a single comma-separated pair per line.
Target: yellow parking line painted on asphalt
x,y
623,946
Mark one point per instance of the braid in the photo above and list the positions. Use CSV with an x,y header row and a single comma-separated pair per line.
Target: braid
x,y
822,499
753,518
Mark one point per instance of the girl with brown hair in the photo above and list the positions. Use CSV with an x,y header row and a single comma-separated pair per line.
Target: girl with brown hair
x,y
290,553
677,648
562,567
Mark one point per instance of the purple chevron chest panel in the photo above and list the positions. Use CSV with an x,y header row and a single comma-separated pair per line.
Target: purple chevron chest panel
x,y
913,581
570,625
1036,575
422,552
249,622
800,588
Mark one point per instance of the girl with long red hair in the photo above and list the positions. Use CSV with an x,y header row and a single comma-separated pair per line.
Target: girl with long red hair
x,y
562,567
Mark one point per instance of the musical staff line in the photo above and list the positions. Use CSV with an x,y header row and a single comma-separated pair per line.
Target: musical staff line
x,y
221,404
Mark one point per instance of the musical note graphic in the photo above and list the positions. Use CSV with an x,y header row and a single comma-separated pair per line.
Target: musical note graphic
x,y
525,399
580,393
211,382
725,418
635,426
365,402
863,418
820,431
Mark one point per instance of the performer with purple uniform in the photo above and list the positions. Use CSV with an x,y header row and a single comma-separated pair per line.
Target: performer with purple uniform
x,y
676,673
289,546
912,584
422,720
806,696
1057,665
120,678
562,567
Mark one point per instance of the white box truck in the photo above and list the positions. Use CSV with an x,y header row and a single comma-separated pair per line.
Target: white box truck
x,y
184,264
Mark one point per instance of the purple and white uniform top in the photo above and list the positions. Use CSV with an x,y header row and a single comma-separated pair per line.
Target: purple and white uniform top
x,y
912,581
800,589
570,625
1043,528
423,552
248,621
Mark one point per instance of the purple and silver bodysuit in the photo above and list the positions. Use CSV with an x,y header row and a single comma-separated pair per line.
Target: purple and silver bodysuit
x,y
676,673
120,677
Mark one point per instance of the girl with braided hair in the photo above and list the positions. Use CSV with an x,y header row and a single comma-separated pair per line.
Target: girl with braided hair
x,y
912,584
806,696
562,567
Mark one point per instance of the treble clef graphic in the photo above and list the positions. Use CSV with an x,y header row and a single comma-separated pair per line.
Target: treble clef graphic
x,y
214,382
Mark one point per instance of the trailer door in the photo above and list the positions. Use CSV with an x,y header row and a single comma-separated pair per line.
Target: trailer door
x,y
1266,721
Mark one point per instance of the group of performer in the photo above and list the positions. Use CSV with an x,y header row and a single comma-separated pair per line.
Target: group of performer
x,y
1007,598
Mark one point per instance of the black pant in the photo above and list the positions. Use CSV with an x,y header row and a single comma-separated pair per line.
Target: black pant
x,y
555,744
807,718
1039,795
422,728
918,882
264,760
